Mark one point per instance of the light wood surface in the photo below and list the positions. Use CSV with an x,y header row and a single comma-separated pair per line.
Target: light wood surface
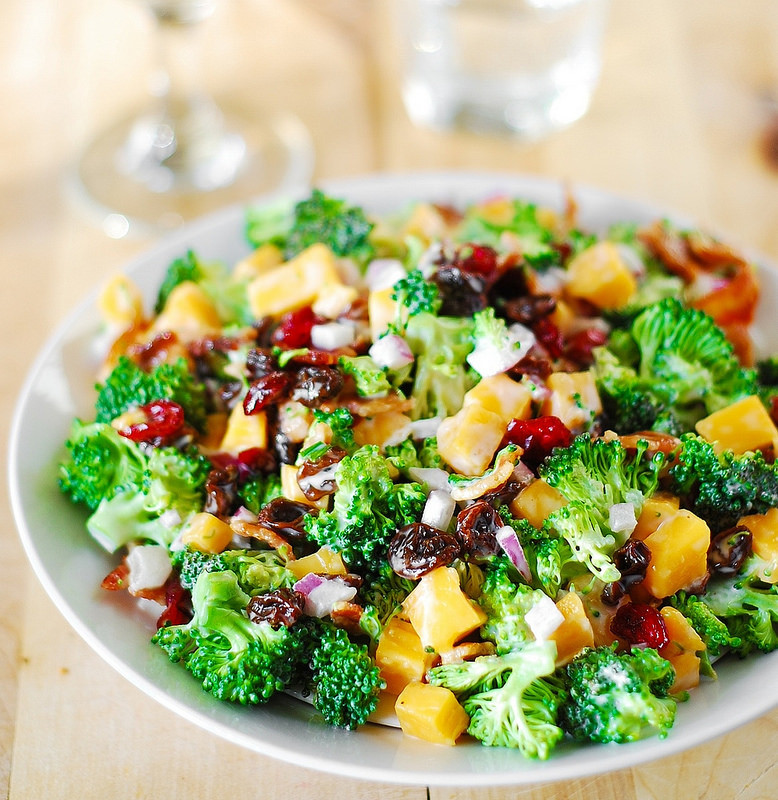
x,y
686,91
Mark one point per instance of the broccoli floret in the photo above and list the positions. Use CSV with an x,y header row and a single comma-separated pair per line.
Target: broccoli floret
x,y
343,228
505,600
594,475
234,658
748,607
174,480
129,386
382,597
618,697
414,294
415,453
367,509
369,378
257,571
99,462
722,488
341,423
686,366
227,294
259,490
440,374
712,630
512,700
346,681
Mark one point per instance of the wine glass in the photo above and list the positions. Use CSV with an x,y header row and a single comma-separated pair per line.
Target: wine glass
x,y
184,156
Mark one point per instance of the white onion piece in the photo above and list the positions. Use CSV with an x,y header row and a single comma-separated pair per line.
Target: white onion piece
x,y
429,260
489,359
430,476
244,514
509,541
391,351
149,567
383,273
308,582
621,518
322,599
550,281
631,258
424,428
438,509
332,335
522,474
170,518
543,618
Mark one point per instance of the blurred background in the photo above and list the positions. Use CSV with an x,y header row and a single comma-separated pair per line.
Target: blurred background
x,y
685,116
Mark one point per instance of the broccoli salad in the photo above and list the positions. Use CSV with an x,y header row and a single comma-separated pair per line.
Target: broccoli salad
x,y
514,478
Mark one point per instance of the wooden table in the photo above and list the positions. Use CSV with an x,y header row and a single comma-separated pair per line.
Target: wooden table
x,y
677,119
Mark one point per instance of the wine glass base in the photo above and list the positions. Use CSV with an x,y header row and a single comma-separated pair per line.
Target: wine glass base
x,y
130,195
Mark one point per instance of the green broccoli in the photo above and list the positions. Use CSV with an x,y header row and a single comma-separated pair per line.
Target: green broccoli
x,y
382,597
257,571
346,681
367,510
341,422
228,295
722,488
129,386
234,658
256,492
512,700
319,218
414,453
414,294
686,366
713,631
440,374
594,475
99,462
618,697
369,378
505,600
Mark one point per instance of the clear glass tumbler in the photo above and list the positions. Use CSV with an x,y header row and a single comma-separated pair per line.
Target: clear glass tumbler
x,y
522,67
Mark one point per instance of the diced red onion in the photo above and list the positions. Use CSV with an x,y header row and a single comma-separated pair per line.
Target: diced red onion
x,y
543,618
391,351
321,599
424,428
308,582
332,335
382,273
244,514
149,567
509,541
439,509
430,476
621,518
522,474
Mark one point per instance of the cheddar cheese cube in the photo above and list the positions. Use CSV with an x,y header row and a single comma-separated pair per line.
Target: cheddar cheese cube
x,y
599,275
744,425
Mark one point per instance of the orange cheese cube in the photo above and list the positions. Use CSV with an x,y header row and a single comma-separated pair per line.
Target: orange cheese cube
x,y
244,431
502,396
381,310
440,612
382,429
744,425
536,501
600,276
400,656
468,441
207,533
189,313
679,550
575,632
654,512
574,399
682,649
431,713
325,561
764,532
265,258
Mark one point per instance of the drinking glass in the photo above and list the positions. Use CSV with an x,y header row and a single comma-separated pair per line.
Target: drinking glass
x,y
183,156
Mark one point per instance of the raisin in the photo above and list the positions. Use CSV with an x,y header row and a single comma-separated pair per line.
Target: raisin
x,y
315,385
284,517
579,348
317,478
640,624
729,549
281,607
221,491
632,561
476,528
260,362
530,308
462,293
418,548
537,437
155,352
265,391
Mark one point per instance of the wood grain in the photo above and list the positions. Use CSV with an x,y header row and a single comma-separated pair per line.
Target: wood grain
x,y
686,91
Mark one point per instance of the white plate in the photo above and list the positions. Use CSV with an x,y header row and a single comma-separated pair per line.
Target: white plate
x,y
71,566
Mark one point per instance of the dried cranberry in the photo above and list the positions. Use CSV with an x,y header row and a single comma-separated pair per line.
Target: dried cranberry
x,y
285,517
417,549
549,335
538,437
255,459
294,330
164,419
479,259
280,607
265,391
476,528
579,346
317,478
729,549
640,624
221,491
315,385
177,607
212,344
